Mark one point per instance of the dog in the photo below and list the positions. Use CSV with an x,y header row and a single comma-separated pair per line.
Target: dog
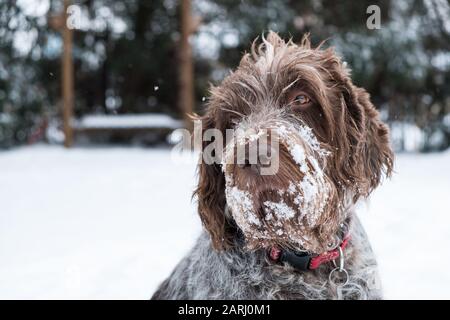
x,y
294,233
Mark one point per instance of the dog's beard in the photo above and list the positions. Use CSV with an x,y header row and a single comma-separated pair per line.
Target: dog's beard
x,y
292,208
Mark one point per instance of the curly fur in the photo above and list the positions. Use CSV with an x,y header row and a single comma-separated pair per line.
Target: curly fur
x,y
345,150
239,274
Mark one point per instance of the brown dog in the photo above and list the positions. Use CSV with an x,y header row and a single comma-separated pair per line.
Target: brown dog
x,y
275,235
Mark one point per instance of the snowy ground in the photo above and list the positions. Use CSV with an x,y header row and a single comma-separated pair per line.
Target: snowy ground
x,y
113,222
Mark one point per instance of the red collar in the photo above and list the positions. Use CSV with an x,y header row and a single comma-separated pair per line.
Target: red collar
x,y
305,261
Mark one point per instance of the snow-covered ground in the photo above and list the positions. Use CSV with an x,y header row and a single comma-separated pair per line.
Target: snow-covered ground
x,y
113,222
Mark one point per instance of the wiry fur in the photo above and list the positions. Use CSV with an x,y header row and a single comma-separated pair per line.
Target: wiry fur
x,y
239,274
230,261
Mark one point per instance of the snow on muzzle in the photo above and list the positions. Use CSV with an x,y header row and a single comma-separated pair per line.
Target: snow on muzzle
x,y
276,188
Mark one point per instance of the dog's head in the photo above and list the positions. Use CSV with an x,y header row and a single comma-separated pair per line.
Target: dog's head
x,y
319,146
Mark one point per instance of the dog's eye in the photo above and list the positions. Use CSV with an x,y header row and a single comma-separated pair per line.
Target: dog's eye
x,y
301,99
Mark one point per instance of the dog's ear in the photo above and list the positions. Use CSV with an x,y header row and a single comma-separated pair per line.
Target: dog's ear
x,y
361,140
210,193
370,149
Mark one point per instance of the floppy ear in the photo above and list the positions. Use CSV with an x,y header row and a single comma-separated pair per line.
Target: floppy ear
x,y
371,148
362,149
211,197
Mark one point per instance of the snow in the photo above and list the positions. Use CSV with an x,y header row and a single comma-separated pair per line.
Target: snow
x,y
34,8
409,226
298,153
98,223
280,209
128,121
92,223
241,205
313,189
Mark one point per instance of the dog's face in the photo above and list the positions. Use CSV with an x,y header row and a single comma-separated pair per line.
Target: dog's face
x,y
320,146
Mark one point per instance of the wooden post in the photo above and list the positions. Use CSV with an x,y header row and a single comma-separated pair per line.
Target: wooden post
x,y
59,23
186,72
67,79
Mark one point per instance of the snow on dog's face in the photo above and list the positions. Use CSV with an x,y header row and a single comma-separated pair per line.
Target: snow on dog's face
x,y
289,205
319,147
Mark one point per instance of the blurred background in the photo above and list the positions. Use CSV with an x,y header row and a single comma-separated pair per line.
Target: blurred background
x,y
111,80
126,60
